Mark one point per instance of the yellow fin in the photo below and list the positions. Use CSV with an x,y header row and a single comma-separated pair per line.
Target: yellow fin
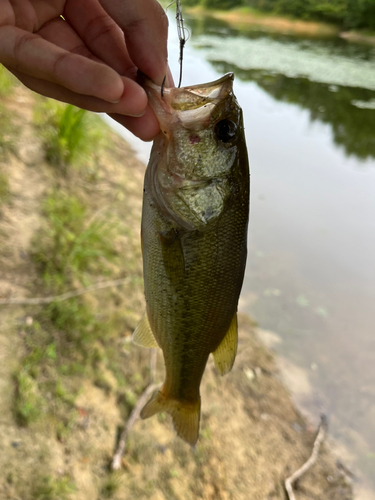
x,y
225,354
143,335
185,416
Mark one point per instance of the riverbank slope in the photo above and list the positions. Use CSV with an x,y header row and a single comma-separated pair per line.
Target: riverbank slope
x,y
249,18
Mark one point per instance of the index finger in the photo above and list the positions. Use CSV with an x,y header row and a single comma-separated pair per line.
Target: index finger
x,y
145,25
32,55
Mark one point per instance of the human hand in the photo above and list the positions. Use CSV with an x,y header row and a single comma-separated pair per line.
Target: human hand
x,y
89,57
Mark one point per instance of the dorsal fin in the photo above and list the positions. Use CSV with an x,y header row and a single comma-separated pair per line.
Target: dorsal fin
x,y
143,335
225,354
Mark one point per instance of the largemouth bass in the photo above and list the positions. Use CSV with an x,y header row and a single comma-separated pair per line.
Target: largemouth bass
x,y
194,234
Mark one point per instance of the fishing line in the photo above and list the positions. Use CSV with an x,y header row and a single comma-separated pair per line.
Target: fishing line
x,y
181,36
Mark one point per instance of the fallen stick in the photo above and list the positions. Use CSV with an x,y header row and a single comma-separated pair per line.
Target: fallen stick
x,y
64,296
121,448
310,462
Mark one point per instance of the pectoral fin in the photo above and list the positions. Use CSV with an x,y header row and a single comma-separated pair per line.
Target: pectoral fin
x,y
143,335
225,354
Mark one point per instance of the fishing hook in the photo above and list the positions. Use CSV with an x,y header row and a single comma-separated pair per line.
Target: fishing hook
x,y
162,87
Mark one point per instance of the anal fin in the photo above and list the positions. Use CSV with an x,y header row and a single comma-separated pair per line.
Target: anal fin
x,y
143,335
225,354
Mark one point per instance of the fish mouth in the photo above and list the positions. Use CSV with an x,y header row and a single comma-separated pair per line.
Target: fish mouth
x,y
193,103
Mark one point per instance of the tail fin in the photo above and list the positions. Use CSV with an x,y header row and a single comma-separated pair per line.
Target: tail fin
x,y
185,415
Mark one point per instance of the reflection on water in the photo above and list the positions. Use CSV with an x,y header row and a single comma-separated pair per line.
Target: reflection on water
x,y
349,110
279,63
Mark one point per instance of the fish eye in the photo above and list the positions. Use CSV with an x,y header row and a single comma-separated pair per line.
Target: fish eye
x,y
225,130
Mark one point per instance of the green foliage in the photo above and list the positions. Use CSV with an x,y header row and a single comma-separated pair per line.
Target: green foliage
x,y
221,4
4,189
70,245
350,14
38,381
110,486
7,82
28,402
7,132
70,134
52,488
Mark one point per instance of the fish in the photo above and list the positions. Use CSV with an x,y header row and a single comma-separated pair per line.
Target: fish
x,y
194,241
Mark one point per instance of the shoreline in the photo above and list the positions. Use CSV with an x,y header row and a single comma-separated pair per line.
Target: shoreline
x,y
283,24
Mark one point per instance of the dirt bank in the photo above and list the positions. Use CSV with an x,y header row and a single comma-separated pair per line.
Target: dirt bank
x,y
69,375
282,24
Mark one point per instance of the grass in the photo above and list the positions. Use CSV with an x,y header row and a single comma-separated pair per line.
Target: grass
x,y
52,488
71,136
7,82
110,486
4,189
71,245
8,131
39,382
28,402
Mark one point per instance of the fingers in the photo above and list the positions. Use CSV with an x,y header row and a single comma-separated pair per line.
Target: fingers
x,y
60,33
126,104
99,32
146,128
146,29
32,55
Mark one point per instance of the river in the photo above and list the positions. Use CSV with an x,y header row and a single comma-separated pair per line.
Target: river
x,y
309,111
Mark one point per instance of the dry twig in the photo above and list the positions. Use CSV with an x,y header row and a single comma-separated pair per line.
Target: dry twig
x,y
121,448
65,296
310,462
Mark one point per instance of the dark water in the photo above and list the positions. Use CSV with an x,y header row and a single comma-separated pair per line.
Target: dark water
x,y
309,110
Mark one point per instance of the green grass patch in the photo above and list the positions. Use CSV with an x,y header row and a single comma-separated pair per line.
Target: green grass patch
x,y
4,189
71,136
110,486
7,82
52,488
71,245
28,402
41,390
8,131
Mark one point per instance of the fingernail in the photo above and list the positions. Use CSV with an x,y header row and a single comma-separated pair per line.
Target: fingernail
x,y
114,102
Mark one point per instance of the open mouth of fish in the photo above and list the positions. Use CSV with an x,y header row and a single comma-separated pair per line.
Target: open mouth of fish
x,y
193,105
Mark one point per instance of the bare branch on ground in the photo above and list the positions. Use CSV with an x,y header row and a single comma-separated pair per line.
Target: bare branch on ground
x,y
310,462
65,296
121,448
